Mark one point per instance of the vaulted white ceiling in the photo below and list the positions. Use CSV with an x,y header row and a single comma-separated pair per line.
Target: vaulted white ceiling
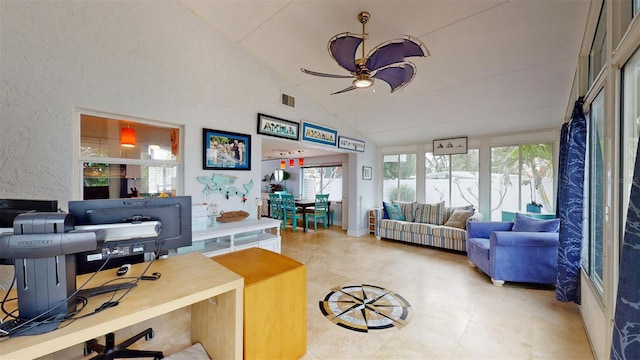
x,y
495,67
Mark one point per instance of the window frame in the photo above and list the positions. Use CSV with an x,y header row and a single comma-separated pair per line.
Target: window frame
x,y
450,175
398,175
302,182
521,204
592,211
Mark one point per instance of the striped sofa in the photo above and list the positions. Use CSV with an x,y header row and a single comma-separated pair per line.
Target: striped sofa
x,y
426,226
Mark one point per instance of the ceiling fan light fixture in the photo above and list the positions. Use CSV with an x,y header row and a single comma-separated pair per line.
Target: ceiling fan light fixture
x,y
362,82
386,61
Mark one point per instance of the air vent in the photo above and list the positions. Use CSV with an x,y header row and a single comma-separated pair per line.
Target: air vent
x,y
288,100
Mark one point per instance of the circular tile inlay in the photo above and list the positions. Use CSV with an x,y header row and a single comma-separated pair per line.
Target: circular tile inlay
x,y
365,307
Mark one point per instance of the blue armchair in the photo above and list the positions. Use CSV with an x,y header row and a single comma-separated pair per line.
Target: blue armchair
x,y
518,256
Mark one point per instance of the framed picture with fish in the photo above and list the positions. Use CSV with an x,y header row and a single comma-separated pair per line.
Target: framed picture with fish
x,y
224,150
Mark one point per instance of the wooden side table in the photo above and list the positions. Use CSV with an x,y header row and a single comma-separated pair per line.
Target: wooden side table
x,y
275,303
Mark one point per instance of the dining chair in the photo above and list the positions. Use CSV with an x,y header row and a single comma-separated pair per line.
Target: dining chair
x,y
275,206
320,211
290,211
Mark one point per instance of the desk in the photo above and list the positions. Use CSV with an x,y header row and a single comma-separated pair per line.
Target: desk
x,y
188,280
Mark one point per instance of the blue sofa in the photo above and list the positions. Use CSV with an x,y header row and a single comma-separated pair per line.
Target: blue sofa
x,y
518,256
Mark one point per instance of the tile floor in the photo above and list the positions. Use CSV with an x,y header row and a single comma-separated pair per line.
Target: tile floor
x,y
458,313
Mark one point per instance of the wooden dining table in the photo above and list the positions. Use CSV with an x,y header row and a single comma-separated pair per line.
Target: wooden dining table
x,y
303,205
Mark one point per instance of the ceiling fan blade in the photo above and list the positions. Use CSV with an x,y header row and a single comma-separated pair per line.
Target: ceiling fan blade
x,y
315,73
395,51
344,90
342,49
397,75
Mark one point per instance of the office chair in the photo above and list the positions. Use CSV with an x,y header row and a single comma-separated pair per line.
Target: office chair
x,y
110,350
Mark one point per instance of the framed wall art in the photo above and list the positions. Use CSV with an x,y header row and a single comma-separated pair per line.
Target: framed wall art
x,y
450,146
350,144
273,126
319,134
366,173
223,150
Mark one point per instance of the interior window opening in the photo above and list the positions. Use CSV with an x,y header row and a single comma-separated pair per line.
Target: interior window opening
x,y
128,159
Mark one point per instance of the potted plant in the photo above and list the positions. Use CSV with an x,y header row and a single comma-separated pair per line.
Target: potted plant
x,y
285,176
533,206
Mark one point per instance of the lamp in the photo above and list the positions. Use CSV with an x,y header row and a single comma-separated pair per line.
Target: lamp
x,y
290,162
278,175
301,162
282,164
128,137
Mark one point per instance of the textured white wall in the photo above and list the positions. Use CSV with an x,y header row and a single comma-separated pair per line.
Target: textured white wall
x,y
152,60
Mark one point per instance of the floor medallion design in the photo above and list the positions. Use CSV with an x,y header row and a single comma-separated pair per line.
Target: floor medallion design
x,y
365,307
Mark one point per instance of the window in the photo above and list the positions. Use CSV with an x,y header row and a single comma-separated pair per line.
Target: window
x,y
521,175
110,170
598,49
322,180
592,261
452,178
630,129
399,177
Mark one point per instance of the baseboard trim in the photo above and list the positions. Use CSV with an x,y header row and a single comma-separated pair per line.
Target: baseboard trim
x,y
357,233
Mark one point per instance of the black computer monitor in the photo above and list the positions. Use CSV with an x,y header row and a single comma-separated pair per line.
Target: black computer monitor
x,y
172,215
10,208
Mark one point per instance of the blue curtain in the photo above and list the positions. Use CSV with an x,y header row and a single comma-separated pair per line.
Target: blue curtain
x,y
571,207
625,343
562,163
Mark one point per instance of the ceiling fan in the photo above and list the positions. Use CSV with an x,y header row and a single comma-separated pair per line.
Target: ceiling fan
x,y
385,62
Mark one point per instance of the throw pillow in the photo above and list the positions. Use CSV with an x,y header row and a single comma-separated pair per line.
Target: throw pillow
x,y
459,219
394,211
385,215
528,224
408,209
448,210
430,213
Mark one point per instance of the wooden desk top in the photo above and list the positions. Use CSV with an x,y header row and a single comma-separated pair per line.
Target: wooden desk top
x,y
186,279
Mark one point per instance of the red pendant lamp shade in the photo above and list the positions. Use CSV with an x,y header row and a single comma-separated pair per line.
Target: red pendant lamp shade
x,y
290,162
301,162
128,137
282,164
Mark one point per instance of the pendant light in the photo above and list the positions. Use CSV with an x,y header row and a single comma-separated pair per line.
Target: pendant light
x,y
282,164
301,162
128,137
291,163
